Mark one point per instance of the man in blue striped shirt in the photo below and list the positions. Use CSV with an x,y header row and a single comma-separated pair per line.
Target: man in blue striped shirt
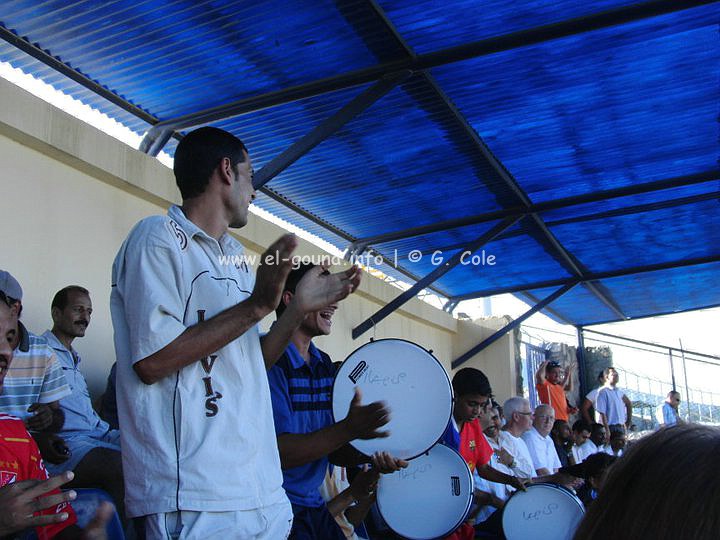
x,y
35,381
301,386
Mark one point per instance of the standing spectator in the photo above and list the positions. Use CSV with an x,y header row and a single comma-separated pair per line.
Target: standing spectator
x,y
551,383
94,447
667,412
200,456
613,405
540,445
307,435
587,409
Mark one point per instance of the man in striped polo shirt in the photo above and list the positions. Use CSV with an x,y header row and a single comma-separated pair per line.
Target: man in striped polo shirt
x,y
35,382
300,386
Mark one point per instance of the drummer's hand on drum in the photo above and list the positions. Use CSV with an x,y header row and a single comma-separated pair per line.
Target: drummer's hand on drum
x,y
365,483
386,464
364,421
520,483
318,288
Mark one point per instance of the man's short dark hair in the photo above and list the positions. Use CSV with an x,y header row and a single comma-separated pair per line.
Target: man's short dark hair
x,y
471,381
294,277
581,425
197,155
607,371
60,300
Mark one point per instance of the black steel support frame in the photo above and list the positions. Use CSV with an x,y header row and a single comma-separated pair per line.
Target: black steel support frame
x,y
162,131
460,360
328,127
595,276
439,271
459,53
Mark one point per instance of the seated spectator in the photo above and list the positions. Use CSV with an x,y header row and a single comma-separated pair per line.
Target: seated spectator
x,y
540,445
597,435
472,393
500,460
561,435
307,437
664,487
593,472
94,447
551,383
349,502
35,382
108,401
617,444
667,412
582,445
29,499
518,419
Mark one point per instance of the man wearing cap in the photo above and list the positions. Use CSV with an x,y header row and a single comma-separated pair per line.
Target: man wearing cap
x,y
551,388
35,381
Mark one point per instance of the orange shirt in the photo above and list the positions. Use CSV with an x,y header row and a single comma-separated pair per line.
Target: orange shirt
x,y
554,395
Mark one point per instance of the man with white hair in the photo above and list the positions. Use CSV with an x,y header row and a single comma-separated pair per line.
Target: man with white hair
x,y
540,445
518,420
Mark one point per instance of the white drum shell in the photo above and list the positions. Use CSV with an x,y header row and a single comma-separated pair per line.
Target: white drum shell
x,y
412,383
543,512
429,499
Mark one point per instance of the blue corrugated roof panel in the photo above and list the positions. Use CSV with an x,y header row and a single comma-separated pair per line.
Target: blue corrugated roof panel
x,y
394,167
688,232
577,305
613,107
440,25
173,57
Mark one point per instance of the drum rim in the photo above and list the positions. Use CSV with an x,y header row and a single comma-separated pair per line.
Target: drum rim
x,y
467,508
442,368
554,486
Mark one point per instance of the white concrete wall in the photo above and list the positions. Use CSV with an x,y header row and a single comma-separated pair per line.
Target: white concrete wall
x,y
69,196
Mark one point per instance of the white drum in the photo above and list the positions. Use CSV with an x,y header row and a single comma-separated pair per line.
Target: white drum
x,y
412,383
430,498
543,512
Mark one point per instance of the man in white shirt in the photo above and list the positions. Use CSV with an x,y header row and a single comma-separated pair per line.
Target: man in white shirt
x,y
613,406
539,444
518,420
582,445
199,449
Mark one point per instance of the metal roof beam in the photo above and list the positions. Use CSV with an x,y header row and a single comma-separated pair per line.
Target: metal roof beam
x,y
467,51
460,360
557,204
328,127
430,278
627,210
534,300
632,271
45,57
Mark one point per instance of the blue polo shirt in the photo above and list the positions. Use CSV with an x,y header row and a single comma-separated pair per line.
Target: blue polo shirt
x,y
301,400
